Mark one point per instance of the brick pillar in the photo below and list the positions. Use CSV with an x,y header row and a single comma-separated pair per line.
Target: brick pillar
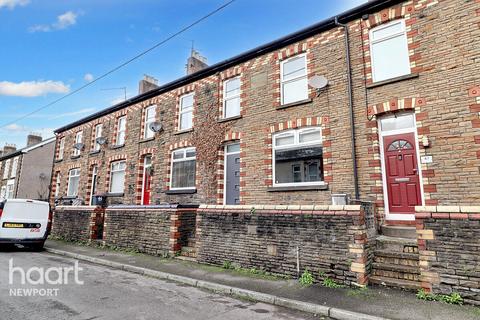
x,y
358,248
174,233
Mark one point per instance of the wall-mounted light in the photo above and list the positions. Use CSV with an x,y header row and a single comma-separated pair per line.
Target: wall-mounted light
x,y
425,142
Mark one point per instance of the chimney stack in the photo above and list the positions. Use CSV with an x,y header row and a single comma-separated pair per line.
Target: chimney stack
x,y
196,62
9,148
33,138
148,83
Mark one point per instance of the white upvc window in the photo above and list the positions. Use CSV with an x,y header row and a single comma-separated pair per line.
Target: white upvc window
x,y
13,174
3,193
231,97
10,194
97,134
294,83
78,139
58,179
73,182
389,51
183,169
185,120
61,148
117,176
150,115
6,169
298,157
121,130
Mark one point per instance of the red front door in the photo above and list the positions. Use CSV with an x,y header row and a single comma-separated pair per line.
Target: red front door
x,y
403,183
147,181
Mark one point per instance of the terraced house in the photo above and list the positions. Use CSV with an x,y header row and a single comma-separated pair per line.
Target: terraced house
x,y
351,147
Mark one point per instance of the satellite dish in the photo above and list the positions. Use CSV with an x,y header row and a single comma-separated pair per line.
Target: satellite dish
x,y
318,82
155,126
78,146
101,140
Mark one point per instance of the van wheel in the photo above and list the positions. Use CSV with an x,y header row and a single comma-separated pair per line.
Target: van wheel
x,y
38,246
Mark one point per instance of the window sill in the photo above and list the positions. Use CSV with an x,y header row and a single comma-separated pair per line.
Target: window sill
x,y
392,80
294,104
118,146
146,140
183,131
58,160
114,194
184,191
229,119
74,157
95,152
298,188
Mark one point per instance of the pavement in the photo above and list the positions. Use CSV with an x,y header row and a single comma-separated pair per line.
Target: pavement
x,y
372,304
107,293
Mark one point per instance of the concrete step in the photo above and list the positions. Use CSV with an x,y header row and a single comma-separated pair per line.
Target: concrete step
x,y
396,268
189,249
183,258
399,231
395,244
398,283
396,258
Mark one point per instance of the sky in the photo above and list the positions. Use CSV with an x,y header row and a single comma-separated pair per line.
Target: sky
x,y
50,48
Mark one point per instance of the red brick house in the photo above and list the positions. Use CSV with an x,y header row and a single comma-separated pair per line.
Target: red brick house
x,y
396,125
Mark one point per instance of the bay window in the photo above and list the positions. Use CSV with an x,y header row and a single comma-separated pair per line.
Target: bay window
x,y
298,157
389,51
183,169
186,112
294,83
231,98
73,182
117,176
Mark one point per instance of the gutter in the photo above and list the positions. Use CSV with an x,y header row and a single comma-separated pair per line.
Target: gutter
x,y
327,24
350,102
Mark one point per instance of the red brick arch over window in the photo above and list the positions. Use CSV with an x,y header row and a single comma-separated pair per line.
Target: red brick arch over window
x,y
294,124
230,137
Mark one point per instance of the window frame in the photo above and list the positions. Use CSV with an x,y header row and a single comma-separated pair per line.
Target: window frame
x,y
77,152
185,158
58,179
97,134
282,81
70,176
61,148
295,145
225,99
120,131
6,169
146,129
385,38
111,175
181,112
10,189
13,173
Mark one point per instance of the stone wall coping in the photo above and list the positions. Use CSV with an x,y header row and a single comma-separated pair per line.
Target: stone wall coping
x,y
74,208
284,207
448,209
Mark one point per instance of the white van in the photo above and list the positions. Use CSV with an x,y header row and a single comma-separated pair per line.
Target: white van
x,y
26,222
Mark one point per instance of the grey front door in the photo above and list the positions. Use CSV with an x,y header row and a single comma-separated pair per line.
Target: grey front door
x,y
232,174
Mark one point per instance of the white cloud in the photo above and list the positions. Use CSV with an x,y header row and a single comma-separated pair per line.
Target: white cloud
x,y
13,3
32,88
16,128
64,21
73,113
88,77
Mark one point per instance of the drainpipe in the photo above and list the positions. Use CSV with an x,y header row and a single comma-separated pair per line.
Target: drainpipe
x,y
350,101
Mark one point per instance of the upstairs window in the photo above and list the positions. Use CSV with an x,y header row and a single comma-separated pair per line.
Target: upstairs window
x,y
121,130
185,120
13,174
117,176
150,114
389,51
231,98
298,157
78,139
61,148
73,182
97,134
6,169
183,168
294,85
